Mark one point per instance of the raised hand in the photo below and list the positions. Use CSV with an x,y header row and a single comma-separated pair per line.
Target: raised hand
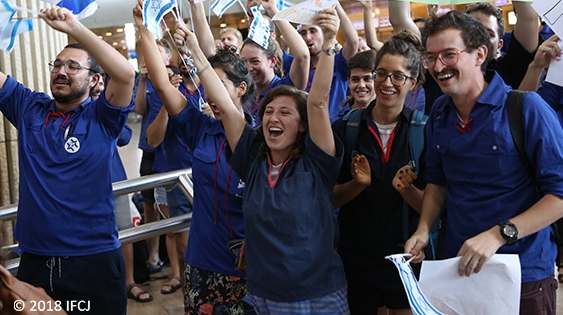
x,y
60,19
404,178
361,172
138,13
329,22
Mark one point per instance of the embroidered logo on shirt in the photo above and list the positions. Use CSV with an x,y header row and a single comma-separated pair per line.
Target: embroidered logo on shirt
x,y
241,184
72,145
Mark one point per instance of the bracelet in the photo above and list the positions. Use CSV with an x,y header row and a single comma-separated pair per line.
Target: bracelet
x,y
204,68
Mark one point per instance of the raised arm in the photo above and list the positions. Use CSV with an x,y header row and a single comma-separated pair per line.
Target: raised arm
x,y
156,131
232,119
120,88
369,28
299,70
171,98
527,26
141,95
350,35
317,103
201,28
547,51
400,16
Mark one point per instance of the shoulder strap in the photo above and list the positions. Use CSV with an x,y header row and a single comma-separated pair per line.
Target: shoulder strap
x,y
514,112
416,137
352,120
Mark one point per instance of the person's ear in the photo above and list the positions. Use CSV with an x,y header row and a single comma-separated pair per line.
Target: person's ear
x,y
241,89
94,79
481,55
274,61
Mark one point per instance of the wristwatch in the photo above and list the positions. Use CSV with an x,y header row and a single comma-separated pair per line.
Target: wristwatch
x,y
329,51
509,232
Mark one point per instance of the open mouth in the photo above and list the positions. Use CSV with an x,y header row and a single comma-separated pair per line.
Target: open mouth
x,y
275,132
443,76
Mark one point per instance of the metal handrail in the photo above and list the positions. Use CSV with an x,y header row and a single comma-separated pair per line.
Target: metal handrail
x,y
137,233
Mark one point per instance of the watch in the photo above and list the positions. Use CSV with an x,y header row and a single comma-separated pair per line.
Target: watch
x,y
329,51
509,232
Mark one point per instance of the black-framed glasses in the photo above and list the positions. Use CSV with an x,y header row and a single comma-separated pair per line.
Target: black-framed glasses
x,y
397,79
447,57
71,67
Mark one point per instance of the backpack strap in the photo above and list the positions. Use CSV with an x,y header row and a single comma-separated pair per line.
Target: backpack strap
x,y
514,112
352,120
416,137
416,129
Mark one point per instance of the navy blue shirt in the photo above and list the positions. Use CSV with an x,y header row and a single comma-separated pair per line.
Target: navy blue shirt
x,y
289,223
66,198
486,181
218,192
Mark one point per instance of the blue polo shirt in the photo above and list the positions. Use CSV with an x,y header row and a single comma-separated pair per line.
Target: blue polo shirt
x,y
151,96
339,86
218,191
289,224
486,181
66,198
254,106
173,154
117,170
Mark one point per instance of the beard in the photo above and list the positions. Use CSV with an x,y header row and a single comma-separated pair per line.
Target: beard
x,y
75,93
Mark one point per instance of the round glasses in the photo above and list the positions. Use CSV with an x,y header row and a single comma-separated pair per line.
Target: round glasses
x,y
448,57
71,67
397,79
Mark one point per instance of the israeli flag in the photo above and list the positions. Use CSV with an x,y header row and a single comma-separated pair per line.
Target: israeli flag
x,y
418,302
80,8
7,12
220,6
153,12
10,32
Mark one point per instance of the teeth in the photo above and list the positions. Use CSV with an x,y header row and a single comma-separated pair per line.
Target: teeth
x,y
361,93
388,92
445,76
275,129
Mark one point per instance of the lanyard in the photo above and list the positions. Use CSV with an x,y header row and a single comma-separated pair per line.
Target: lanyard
x,y
384,154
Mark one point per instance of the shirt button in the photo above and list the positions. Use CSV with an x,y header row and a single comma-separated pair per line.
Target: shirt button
x,y
494,147
437,146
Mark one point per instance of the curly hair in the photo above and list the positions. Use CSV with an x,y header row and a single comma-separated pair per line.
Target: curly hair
x,y
235,69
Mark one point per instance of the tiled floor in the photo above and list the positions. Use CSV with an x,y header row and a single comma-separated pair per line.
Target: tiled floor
x,y
172,304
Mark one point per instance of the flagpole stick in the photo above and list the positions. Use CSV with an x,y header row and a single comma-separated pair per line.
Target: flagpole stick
x,y
25,10
192,20
194,70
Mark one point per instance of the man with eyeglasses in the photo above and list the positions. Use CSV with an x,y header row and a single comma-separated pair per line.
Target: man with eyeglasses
x,y
66,225
494,204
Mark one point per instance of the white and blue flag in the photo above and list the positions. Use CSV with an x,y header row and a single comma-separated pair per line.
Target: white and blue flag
x,y
153,13
80,8
11,30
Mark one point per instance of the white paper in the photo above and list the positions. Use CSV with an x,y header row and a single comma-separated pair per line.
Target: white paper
x,y
551,12
259,29
555,69
303,12
495,290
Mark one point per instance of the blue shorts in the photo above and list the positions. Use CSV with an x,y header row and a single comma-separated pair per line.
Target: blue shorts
x,y
160,196
178,203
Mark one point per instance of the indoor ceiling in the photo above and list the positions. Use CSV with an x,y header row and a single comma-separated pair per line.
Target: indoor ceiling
x,y
109,20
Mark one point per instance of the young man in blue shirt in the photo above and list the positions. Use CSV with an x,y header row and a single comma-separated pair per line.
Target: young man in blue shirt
x,y
66,224
494,204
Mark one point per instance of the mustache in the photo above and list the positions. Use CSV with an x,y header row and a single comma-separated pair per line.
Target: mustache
x,y
62,78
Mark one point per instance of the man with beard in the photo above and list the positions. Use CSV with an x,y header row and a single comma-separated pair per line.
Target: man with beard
x,y
473,169
66,225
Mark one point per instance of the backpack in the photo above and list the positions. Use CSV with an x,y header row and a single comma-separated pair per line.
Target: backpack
x,y
416,142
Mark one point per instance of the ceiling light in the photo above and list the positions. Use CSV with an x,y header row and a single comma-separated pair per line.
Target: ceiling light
x,y
222,25
119,30
109,34
124,47
122,41
114,43
100,37
243,21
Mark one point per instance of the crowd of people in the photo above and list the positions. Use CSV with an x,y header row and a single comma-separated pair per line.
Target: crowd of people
x,y
301,155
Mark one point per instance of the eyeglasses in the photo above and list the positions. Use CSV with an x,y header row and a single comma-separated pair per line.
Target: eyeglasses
x,y
71,67
396,78
448,57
